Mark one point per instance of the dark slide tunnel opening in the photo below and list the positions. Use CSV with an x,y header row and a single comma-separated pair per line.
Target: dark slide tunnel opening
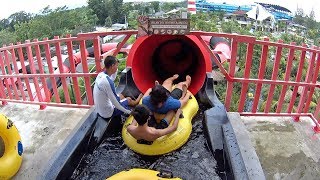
x,y
158,57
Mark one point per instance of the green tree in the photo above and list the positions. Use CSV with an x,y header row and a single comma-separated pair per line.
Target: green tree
x,y
310,21
19,17
99,9
47,10
168,6
132,19
299,17
203,22
230,26
4,24
156,6
117,12
58,22
107,8
7,37
108,22
282,26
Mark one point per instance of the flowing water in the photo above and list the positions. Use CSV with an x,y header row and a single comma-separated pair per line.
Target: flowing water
x,y
192,161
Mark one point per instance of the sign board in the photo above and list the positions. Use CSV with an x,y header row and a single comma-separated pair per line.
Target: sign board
x,y
143,26
149,26
169,26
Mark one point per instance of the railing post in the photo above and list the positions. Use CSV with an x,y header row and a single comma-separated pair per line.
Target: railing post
x,y
16,70
298,78
62,70
262,68
313,81
316,129
97,53
12,80
274,76
44,87
286,78
75,87
296,119
85,70
2,92
310,71
51,71
2,65
247,68
233,59
33,71
24,71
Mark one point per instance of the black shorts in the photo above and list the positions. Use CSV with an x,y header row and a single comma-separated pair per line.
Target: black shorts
x,y
176,93
162,125
153,123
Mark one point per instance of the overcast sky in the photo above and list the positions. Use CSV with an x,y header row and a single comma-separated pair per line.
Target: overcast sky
x,y
9,7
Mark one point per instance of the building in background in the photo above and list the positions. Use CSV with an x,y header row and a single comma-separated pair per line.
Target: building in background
x,y
277,11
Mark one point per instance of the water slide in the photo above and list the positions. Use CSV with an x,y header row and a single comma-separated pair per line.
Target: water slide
x,y
153,58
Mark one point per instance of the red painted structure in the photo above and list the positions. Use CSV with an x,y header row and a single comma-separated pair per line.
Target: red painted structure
x,y
145,49
303,86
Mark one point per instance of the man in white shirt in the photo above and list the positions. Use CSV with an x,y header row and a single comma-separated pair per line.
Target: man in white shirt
x,y
108,104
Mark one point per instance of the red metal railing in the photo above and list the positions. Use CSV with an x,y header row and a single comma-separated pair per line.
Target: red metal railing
x,y
307,82
29,83
302,83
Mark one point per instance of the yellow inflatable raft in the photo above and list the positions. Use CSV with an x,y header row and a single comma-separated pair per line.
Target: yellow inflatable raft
x,y
139,174
167,143
10,148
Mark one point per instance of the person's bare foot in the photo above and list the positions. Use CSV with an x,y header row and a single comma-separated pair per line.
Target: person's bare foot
x,y
188,80
175,76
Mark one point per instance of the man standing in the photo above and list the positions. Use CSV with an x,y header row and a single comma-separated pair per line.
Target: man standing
x,y
108,103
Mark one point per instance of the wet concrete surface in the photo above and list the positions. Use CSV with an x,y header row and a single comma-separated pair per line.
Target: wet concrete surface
x,y
286,149
42,132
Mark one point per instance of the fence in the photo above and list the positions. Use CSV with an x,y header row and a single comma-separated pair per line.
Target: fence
x,y
297,84
282,77
28,82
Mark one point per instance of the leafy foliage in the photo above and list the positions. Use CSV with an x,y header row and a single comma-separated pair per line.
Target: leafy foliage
x,y
7,37
107,8
49,23
204,22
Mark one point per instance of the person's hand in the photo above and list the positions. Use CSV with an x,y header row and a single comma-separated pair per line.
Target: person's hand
x,y
127,113
140,96
130,101
121,96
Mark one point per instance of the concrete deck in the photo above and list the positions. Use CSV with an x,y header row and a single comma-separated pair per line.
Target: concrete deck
x,y
286,149
42,132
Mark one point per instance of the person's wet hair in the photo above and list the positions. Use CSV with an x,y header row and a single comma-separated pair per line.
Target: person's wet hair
x,y
159,94
109,61
141,114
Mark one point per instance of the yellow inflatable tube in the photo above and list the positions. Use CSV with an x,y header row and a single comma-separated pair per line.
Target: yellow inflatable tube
x,y
10,148
139,174
167,143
